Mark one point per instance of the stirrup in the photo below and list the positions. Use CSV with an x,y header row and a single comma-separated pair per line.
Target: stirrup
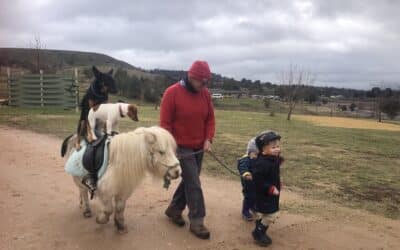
x,y
84,182
91,193
91,190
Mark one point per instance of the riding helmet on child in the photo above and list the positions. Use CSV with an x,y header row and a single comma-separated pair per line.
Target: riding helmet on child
x,y
265,138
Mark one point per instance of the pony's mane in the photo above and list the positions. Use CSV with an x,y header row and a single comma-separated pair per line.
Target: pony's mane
x,y
130,157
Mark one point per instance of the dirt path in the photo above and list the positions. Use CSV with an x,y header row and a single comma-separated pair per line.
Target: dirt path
x,y
39,210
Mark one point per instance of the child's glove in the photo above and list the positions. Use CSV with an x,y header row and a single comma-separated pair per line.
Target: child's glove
x,y
247,176
273,191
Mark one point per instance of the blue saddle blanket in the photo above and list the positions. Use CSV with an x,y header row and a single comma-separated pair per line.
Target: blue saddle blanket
x,y
74,165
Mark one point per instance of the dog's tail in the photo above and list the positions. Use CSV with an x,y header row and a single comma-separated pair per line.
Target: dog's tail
x,y
64,145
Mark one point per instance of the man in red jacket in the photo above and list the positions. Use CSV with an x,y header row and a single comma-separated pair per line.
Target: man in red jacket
x,y
187,112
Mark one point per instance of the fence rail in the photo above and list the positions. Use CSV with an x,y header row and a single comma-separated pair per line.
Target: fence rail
x,y
43,90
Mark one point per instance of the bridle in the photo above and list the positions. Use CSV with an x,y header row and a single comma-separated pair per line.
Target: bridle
x,y
169,167
167,176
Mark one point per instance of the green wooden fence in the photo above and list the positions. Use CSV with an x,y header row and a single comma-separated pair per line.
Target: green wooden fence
x,y
44,90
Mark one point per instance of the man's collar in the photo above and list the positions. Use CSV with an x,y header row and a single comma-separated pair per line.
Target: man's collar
x,y
186,84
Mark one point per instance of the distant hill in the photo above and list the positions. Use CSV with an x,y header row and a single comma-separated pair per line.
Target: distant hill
x,y
178,74
57,60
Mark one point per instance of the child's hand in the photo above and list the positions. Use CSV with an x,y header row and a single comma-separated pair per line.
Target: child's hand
x,y
248,177
273,191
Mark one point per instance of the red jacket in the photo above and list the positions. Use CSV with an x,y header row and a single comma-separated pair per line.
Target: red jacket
x,y
188,116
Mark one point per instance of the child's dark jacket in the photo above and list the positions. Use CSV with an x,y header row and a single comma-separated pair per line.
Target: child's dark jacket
x,y
244,165
266,173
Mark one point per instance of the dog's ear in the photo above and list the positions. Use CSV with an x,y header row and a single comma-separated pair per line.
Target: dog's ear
x,y
110,72
96,72
132,112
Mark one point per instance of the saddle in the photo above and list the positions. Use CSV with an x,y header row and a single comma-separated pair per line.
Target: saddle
x,y
93,157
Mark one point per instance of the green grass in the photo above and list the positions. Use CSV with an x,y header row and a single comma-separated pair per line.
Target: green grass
x,y
248,104
355,167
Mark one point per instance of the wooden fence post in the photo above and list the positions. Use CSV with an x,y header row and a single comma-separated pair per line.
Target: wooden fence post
x,y
9,85
41,88
76,90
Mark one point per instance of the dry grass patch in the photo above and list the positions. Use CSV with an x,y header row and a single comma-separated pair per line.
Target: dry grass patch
x,y
342,122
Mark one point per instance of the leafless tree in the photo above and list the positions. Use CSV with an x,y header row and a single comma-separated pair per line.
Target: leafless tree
x,y
294,80
385,100
37,46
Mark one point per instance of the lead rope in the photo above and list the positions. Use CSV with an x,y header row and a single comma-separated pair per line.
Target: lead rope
x,y
180,157
223,164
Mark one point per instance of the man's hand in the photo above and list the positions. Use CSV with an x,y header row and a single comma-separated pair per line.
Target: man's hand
x,y
207,146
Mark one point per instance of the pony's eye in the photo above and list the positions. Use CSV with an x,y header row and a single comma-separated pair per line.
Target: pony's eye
x,y
161,152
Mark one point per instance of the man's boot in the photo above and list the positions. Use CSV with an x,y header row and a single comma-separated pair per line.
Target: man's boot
x,y
260,236
197,228
175,216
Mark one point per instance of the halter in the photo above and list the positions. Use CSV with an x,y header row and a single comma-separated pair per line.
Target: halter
x,y
169,167
167,176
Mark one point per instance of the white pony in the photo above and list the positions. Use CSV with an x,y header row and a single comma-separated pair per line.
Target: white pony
x,y
131,155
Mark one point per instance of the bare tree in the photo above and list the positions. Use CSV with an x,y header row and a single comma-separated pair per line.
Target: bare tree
x,y
294,80
376,93
37,46
383,98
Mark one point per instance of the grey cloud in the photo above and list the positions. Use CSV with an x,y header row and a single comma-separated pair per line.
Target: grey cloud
x,y
347,43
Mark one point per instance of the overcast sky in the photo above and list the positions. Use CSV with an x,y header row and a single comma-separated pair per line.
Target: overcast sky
x,y
351,43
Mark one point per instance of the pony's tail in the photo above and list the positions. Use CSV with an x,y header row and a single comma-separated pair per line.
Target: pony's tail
x,y
64,145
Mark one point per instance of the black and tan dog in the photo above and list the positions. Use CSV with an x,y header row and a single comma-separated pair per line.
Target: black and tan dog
x,y
96,94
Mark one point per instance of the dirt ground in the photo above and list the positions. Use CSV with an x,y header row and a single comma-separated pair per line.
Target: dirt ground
x,y
342,122
40,210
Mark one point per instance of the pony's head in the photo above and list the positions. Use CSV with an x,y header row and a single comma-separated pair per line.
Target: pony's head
x,y
105,81
162,150
134,153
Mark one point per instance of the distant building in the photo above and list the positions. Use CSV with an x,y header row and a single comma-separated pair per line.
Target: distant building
x,y
231,93
272,97
337,96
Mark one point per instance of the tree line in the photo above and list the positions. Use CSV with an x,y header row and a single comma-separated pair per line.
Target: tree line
x,y
150,89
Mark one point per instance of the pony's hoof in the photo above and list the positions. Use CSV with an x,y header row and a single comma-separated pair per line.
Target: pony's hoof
x,y
87,214
123,230
121,227
102,219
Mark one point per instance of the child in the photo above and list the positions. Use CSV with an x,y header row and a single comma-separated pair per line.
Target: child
x,y
266,178
247,179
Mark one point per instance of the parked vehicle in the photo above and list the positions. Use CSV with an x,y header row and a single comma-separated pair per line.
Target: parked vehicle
x,y
217,96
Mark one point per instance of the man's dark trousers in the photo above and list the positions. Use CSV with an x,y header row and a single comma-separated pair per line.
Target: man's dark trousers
x,y
189,191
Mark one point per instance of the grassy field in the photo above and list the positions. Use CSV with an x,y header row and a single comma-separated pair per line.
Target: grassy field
x,y
357,167
341,122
